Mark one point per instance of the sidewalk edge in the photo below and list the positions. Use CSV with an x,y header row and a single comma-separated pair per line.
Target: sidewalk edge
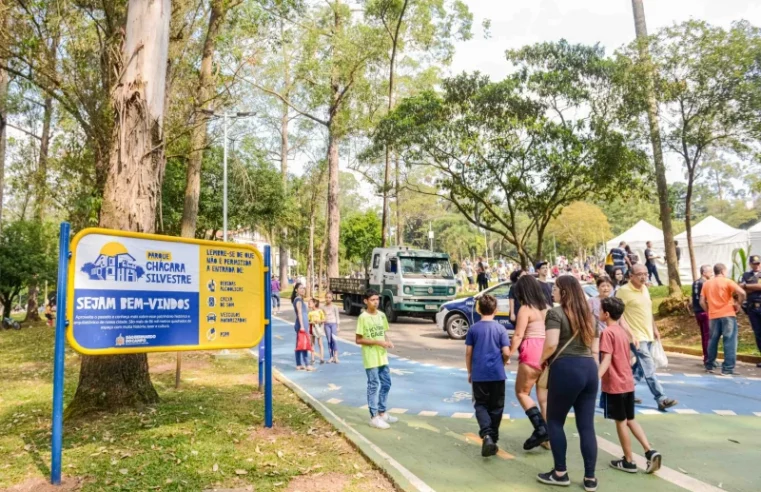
x,y
402,478
679,349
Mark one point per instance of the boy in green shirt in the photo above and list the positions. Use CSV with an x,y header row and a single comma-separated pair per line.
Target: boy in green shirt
x,y
371,335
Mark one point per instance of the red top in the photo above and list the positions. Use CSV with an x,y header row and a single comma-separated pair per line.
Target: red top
x,y
618,378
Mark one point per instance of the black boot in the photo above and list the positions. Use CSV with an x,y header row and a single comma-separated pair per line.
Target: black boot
x,y
540,434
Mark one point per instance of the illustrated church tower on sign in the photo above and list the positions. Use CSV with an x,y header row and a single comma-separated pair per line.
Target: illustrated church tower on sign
x,y
113,263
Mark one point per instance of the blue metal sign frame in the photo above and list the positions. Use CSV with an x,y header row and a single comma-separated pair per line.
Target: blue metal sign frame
x,y
64,243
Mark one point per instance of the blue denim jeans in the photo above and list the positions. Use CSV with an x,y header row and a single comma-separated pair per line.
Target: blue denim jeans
x,y
646,370
725,328
378,386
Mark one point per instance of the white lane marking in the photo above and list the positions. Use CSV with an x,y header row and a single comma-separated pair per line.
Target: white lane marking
x,y
427,365
364,407
397,410
666,473
663,374
506,416
571,415
649,411
402,358
334,401
462,415
752,378
400,372
692,375
408,475
333,387
428,413
464,369
686,411
726,413
446,368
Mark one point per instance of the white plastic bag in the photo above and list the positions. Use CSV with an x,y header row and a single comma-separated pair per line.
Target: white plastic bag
x,y
659,355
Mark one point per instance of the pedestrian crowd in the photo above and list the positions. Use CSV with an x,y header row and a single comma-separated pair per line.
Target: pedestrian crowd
x,y
568,348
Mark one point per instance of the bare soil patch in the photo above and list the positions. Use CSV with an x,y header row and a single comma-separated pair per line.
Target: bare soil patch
x,y
319,482
68,484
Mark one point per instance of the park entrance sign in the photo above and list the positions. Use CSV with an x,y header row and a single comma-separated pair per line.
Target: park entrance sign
x,y
132,293
136,293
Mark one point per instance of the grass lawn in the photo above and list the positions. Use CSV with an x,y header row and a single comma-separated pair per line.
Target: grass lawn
x,y
207,434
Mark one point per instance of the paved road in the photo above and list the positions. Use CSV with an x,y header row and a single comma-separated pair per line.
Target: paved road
x,y
707,437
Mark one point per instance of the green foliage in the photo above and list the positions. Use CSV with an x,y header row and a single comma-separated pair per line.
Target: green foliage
x,y
740,262
27,250
510,155
255,193
360,233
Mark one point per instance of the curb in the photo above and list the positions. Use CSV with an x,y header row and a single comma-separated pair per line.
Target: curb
x,y
403,479
753,359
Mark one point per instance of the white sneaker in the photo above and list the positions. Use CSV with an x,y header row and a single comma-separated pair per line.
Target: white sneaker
x,y
379,423
389,418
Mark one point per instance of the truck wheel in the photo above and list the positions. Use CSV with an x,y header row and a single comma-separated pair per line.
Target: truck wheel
x,y
388,308
457,326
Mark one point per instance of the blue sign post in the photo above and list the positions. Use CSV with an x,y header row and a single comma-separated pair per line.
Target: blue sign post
x,y
268,337
115,291
58,358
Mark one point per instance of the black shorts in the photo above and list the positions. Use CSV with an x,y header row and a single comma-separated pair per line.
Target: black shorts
x,y
618,407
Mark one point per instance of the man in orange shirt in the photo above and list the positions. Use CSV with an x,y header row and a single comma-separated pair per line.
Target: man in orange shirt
x,y
717,298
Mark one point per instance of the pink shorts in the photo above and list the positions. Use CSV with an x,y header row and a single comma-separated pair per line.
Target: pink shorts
x,y
530,352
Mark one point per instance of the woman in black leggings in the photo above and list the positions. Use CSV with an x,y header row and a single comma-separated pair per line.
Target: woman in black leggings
x,y
571,347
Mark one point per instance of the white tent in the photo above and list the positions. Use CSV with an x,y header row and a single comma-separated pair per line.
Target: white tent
x,y
636,237
755,239
713,242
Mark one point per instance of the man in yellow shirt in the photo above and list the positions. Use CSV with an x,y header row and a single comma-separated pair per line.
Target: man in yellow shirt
x,y
638,319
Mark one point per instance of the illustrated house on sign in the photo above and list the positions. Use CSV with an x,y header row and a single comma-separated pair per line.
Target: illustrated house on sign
x,y
113,263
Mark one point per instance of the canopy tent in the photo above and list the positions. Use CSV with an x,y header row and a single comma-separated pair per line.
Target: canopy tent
x,y
636,237
713,242
755,239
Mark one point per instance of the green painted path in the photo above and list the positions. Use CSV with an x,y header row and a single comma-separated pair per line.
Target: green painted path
x,y
437,451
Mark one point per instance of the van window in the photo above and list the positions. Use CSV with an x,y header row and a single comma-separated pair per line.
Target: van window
x,y
376,261
392,265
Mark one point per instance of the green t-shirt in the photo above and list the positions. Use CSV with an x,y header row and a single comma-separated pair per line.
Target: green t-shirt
x,y
373,327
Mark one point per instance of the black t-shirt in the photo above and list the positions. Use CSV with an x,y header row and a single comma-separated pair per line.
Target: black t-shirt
x,y
752,277
678,253
648,254
547,288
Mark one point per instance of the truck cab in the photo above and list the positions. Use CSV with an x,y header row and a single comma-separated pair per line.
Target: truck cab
x,y
411,282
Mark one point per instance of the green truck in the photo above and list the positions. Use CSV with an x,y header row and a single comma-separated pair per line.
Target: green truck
x,y
411,282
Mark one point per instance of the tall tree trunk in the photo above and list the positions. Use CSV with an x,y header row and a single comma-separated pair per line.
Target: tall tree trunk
x,y
198,136
323,243
284,149
47,118
32,303
310,256
387,170
688,225
108,382
4,79
399,217
334,214
640,26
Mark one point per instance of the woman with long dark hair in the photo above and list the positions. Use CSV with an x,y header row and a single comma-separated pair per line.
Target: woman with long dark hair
x,y
301,325
528,341
571,348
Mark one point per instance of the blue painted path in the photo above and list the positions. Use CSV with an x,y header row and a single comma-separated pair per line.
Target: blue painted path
x,y
429,389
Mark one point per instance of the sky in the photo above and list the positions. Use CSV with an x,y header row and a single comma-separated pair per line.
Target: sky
x,y
516,23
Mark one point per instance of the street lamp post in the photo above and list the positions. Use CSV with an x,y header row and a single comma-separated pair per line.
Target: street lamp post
x,y
225,117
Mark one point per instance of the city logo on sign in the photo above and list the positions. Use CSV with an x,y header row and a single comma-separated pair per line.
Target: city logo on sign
x,y
114,263
119,340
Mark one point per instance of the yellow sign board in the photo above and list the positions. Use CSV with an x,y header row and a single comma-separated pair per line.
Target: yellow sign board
x,y
134,293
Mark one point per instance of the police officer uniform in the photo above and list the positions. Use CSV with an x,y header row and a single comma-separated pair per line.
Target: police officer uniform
x,y
753,309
